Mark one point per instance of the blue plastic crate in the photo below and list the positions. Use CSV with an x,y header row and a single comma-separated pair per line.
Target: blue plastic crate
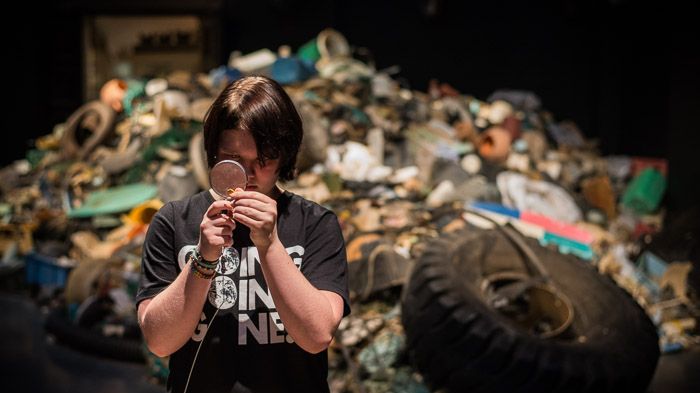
x,y
44,270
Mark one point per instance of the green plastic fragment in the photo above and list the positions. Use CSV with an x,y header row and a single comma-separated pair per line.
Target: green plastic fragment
x,y
644,193
135,88
309,52
568,246
35,156
114,200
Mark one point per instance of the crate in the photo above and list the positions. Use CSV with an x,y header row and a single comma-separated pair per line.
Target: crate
x,y
45,270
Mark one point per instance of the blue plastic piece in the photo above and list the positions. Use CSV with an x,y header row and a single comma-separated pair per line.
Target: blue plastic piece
x,y
496,208
650,269
224,75
474,107
651,265
564,136
287,70
520,146
671,347
44,270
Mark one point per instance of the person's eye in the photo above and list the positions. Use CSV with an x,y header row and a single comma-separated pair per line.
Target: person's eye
x,y
233,157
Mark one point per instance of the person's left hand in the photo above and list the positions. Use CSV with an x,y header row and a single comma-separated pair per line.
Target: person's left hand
x,y
259,213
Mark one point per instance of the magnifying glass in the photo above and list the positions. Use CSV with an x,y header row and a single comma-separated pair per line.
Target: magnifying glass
x,y
226,177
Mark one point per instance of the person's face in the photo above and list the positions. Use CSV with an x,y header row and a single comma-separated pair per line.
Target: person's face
x,y
240,146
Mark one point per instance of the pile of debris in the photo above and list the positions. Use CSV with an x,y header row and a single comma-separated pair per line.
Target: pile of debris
x,y
399,167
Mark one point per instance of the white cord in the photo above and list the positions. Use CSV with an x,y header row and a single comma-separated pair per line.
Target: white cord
x,y
202,342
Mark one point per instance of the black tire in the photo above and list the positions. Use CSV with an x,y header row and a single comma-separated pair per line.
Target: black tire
x,y
90,341
459,342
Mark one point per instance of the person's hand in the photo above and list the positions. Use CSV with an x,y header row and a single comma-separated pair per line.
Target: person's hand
x,y
216,230
258,212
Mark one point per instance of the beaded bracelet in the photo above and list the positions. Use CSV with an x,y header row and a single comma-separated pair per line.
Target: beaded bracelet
x,y
197,257
201,262
206,272
196,272
202,269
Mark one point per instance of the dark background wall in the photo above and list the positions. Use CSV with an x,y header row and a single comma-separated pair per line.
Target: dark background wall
x,y
628,72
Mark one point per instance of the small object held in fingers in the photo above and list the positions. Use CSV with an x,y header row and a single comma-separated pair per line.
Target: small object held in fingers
x,y
231,192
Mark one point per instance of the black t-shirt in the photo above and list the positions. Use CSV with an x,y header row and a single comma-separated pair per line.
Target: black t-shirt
x,y
246,342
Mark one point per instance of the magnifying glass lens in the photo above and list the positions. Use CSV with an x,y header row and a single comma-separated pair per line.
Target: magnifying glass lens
x,y
226,177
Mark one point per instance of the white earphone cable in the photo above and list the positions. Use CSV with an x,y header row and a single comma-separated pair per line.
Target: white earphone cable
x,y
187,384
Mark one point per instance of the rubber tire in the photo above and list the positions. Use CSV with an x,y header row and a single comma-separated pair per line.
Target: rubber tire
x,y
460,343
90,341
69,142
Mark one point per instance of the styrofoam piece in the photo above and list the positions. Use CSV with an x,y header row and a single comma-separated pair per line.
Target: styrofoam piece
x,y
528,229
477,221
498,218
254,61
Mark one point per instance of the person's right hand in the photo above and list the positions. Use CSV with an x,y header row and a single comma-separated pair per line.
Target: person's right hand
x,y
216,230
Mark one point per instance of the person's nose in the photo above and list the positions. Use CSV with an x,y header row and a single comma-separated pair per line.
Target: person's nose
x,y
249,168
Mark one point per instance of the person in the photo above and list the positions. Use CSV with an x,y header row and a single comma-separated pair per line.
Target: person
x,y
248,291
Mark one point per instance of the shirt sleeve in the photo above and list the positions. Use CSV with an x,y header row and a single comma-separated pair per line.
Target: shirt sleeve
x,y
325,262
159,266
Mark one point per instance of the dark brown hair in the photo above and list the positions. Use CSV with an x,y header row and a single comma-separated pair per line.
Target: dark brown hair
x,y
259,105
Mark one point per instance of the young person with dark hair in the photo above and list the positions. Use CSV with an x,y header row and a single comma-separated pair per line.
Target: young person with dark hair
x,y
249,291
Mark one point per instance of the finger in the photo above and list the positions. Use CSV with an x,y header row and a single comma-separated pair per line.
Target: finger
x,y
247,221
217,231
253,203
223,221
218,207
252,195
253,213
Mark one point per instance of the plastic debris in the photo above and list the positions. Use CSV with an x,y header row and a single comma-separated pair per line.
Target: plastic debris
x,y
645,191
114,200
398,166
